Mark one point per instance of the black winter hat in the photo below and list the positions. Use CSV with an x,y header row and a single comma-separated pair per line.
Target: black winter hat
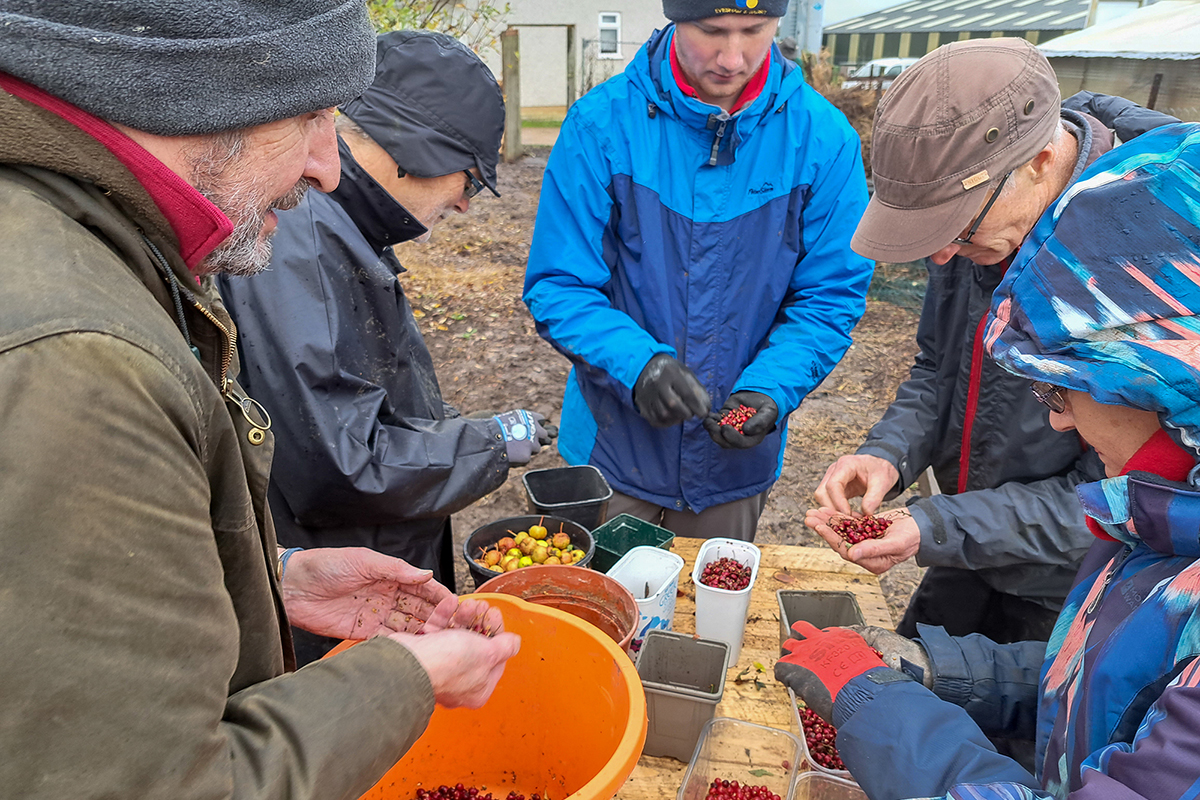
x,y
176,69
688,10
434,106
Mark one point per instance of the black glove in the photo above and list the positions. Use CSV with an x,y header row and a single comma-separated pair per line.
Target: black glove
x,y
754,429
668,393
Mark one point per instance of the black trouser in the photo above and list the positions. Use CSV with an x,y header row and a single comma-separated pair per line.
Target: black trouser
x,y
439,558
962,603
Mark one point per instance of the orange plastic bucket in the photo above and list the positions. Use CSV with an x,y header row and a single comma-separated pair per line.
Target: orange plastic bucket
x,y
592,596
567,719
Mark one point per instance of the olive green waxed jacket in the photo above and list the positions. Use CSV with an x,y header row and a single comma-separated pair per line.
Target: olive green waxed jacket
x,y
145,644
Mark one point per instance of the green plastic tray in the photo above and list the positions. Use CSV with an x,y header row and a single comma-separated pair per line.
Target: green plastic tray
x,y
621,534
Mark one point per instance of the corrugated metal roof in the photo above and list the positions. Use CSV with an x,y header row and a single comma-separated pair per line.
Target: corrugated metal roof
x,y
970,15
1169,29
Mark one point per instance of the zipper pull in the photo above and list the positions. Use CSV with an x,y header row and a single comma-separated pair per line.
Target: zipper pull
x,y
1107,580
258,430
722,121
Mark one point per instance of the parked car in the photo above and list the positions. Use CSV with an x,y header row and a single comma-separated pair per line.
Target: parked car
x,y
879,72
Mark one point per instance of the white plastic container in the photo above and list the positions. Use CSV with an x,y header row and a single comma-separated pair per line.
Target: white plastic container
x,y
721,613
652,577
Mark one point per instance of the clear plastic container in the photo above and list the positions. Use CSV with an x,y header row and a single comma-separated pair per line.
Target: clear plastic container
x,y
819,786
721,613
652,576
808,759
733,750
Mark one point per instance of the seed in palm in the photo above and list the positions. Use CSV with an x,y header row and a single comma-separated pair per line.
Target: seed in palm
x,y
858,529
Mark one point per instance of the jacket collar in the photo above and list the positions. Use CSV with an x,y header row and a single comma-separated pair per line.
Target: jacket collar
x,y
382,221
1159,508
199,226
650,72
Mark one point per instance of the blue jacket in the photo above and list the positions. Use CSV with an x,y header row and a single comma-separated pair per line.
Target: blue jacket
x,y
668,226
1103,298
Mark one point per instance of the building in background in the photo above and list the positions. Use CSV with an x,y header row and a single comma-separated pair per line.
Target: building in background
x,y
915,28
607,35
1150,55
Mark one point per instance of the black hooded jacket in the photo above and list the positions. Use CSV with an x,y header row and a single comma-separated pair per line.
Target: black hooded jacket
x,y
368,453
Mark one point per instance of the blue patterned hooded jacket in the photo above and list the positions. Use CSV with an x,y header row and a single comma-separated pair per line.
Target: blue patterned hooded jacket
x,y
1102,299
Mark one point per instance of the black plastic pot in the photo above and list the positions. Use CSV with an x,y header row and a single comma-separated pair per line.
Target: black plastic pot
x,y
576,493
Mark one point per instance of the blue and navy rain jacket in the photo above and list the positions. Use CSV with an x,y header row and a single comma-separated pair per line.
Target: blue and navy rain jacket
x,y
669,226
1103,299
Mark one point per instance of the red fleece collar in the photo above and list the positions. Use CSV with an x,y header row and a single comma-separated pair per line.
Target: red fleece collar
x,y
748,95
198,224
1160,456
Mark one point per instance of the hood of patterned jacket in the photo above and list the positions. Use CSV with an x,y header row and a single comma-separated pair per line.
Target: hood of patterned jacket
x,y
1103,296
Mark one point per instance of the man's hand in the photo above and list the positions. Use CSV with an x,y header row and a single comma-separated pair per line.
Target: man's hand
x,y
469,613
668,393
357,593
463,667
820,662
524,434
899,543
899,652
754,430
868,477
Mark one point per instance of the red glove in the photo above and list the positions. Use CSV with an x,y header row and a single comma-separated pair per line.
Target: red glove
x,y
821,662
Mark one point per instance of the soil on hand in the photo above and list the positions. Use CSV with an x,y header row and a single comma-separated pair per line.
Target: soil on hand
x,y
465,288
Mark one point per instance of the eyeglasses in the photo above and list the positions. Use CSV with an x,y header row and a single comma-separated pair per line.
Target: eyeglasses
x,y
1049,395
472,186
979,220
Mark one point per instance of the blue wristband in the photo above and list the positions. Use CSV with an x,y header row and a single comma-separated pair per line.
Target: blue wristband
x,y
283,559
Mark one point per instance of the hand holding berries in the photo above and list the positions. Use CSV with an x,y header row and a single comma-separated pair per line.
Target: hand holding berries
x,y
743,422
876,543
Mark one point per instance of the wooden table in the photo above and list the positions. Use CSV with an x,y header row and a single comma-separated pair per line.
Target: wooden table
x,y
813,568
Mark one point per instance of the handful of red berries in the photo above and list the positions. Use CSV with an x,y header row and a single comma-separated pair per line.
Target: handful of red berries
x,y
736,417
858,529
726,573
731,790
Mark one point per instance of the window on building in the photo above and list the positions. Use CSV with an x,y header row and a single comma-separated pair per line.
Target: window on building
x,y
918,45
841,49
610,34
891,45
866,48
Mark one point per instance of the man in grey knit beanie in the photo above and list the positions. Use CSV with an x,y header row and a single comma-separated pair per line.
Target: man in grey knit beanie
x,y
144,148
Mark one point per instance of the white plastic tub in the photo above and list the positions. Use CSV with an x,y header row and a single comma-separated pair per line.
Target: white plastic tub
x,y
721,613
652,576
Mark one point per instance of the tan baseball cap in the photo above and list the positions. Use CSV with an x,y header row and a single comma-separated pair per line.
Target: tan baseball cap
x,y
945,132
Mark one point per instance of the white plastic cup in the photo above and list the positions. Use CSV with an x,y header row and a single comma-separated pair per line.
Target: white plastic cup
x,y
721,613
651,574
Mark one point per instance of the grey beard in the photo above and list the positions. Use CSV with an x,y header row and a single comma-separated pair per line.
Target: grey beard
x,y
217,174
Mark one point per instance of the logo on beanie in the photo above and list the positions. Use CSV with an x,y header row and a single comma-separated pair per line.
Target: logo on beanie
x,y
747,3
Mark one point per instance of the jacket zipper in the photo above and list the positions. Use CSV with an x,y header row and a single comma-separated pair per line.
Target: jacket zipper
x,y
258,430
973,387
722,120
1108,579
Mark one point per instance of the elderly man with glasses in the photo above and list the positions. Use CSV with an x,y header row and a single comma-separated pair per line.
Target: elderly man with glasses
x,y
971,145
367,452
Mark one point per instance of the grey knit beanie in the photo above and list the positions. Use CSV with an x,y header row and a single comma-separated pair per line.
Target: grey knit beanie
x,y
175,67
689,10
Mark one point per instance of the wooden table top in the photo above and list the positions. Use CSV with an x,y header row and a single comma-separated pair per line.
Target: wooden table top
x,y
781,567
